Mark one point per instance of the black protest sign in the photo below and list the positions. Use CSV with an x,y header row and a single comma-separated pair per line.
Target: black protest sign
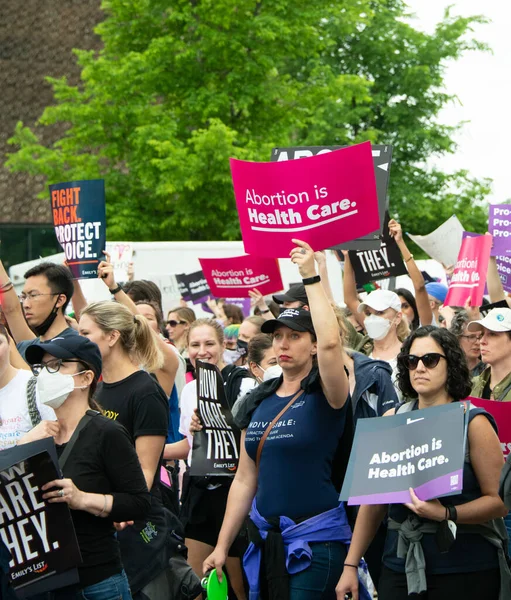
x,y
421,449
196,285
79,218
385,262
382,159
40,536
182,284
216,447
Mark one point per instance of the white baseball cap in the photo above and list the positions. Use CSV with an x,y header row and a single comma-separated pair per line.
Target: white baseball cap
x,y
380,300
498,319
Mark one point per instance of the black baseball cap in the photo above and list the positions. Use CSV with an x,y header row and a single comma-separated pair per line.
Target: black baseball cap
x,y
295,293
65,347
294,318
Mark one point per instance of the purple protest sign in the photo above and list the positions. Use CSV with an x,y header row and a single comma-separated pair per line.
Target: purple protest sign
x,y
243,303
420,449
504,269
499,225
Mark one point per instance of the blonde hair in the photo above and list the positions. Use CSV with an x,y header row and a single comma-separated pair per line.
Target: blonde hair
x,y
341,322
136,336
219,332
403,329
184,312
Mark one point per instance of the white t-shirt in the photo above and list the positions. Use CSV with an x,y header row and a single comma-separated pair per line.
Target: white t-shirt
x,y
14,418
188,405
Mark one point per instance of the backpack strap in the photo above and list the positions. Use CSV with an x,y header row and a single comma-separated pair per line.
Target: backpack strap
x,y
503,394
272,424
407,406
33,410
85,420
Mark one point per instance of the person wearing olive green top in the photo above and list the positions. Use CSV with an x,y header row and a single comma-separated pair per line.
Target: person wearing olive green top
x,y
494,383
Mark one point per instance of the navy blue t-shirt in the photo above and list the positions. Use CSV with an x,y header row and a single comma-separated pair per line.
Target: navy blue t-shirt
x,y
295,472
23,345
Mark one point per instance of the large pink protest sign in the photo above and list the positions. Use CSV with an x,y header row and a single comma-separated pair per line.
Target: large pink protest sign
x,y
469,277
501,412
326,200
234,277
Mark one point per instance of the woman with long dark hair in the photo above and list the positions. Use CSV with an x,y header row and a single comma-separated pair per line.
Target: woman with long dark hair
x,y
409,307
432,371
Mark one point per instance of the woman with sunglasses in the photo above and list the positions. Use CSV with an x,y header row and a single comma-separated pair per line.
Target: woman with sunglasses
x,y
103,482
179,320
432,371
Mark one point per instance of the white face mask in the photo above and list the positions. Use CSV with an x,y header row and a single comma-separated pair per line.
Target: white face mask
x,y
231,356
377,327
54,388
271,372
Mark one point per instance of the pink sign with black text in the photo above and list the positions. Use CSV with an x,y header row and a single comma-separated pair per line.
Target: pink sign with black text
x,y
469,277
325,200
234,277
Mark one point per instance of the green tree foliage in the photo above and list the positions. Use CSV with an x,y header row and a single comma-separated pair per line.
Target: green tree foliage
x,y
181,86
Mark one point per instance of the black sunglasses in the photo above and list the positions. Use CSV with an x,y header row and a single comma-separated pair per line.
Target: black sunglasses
x,y
429,360
173,323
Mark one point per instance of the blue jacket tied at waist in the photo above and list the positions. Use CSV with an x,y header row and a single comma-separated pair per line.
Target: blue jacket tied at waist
x,y
330,526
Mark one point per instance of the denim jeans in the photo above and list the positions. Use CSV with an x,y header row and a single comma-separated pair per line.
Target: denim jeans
x,y
318,581
113,588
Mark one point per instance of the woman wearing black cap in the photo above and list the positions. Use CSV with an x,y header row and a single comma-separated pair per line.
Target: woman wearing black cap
x,y
291,429
103,482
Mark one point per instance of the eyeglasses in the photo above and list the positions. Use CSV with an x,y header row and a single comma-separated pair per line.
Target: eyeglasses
x,y
34,296
429,360
472,338
173,323
52,366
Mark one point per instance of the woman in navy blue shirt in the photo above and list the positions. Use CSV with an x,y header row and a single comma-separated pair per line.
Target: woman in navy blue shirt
x,y
298,530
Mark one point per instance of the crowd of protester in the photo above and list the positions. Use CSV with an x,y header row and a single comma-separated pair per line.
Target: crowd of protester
x,y
115,388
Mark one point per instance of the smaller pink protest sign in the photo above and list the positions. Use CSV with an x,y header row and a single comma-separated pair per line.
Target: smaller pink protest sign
x,y
469,276
501,412
325,200
234,277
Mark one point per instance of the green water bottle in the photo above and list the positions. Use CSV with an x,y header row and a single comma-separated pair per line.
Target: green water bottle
x,y
213,588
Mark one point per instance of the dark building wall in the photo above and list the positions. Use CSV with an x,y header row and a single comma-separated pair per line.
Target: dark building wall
x,y
36,40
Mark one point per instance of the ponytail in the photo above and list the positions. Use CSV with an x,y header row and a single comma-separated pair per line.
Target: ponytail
x,y
136,337
148,353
